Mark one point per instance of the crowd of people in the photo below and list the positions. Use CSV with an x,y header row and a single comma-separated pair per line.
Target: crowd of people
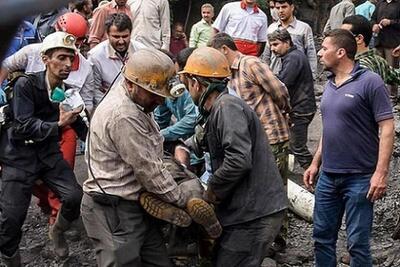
x,y
196,130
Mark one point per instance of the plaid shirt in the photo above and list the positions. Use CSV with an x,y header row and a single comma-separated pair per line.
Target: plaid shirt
x,y
372,61
254,82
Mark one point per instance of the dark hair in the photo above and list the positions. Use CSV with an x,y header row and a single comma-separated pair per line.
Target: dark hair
x,y
344,39
120,20
182,57
281,35
169,54
176,24
290,2
79,4
221,39
360,25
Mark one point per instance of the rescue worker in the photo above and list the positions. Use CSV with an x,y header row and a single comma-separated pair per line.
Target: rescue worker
x,y
245,184
29,60
124,159
30,148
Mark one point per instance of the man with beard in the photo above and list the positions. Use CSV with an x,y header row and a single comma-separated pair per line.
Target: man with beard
x,y
30,148
355,149
110,56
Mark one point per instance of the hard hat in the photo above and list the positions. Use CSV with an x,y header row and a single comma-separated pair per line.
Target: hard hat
x,y
152,70
72,23
58,40
207,62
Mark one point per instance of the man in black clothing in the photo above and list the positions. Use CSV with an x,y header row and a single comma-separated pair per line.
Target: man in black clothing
x,y
386,24
30,148
297,76
245,183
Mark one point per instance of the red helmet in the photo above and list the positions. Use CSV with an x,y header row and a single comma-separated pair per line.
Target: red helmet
x,y
72,23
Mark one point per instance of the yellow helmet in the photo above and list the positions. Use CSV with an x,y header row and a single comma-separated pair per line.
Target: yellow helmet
x,y
207,62
152,70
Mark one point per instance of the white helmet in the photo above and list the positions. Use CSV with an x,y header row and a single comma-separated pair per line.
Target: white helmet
x,y
58,40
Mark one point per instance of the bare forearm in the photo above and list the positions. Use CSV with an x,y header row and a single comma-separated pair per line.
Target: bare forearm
x,y
318,155
385,146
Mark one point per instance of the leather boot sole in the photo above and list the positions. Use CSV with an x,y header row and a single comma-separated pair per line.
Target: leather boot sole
x,y
203,214
164,211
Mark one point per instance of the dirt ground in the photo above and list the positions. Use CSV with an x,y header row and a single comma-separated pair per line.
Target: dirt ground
x,y
36,249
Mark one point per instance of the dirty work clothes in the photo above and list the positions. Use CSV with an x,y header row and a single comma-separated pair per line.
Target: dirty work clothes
x,y
124,235
299,137
246,244
244,172
15,197
334,195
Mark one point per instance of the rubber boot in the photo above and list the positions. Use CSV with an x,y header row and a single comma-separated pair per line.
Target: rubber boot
x,y
13,261
56,234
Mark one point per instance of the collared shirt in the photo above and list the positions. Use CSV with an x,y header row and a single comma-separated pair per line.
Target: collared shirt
x,y
343,9
200,34
264,93
366,9
151,22
29,60
372,61
98,28
302,38
107,64
246,24
126,151
389,36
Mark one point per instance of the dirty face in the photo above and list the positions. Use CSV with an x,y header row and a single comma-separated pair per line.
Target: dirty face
x,y
285,11
193,86
279,48
59,62
144,98
329,54
119,40
207,14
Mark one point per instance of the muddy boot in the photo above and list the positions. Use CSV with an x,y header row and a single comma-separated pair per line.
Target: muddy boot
x,y
163,210
13,261
56,234
203,214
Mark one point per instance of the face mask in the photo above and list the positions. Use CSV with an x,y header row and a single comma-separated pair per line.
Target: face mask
x,y
57,95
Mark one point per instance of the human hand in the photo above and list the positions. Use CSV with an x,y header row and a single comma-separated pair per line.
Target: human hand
x,y
376,28
396,52
309,177
210,197
377,188
67,117
385,22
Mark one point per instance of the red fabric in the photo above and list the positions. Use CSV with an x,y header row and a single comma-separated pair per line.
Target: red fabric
x,y
255,8
176,45
75,63
247,48
47,198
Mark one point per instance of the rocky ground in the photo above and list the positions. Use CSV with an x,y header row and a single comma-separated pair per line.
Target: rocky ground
x,y
36,249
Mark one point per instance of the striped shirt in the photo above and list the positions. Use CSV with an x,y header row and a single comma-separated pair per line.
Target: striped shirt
x,y
372,61
264,93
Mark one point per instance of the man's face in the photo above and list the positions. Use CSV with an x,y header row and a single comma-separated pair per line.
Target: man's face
x,y
144,98
279,48
285,11
119,40
178,32
88,8
207,14
193,87
249,3
328,54
60,62
121,2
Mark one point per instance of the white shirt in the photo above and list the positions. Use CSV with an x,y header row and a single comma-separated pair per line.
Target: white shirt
x,y
239,23
151,22
107,64
29,59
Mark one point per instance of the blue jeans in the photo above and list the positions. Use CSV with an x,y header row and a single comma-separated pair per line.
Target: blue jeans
x,y
334,195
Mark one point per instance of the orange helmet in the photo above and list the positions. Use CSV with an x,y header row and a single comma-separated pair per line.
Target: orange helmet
x,y
72,23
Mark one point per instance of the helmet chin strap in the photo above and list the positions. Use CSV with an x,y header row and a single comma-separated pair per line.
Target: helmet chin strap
x,y
213,86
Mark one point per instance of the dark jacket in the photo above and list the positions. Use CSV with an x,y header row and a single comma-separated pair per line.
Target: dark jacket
x,y
297,76
389,36
245,177
34,135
